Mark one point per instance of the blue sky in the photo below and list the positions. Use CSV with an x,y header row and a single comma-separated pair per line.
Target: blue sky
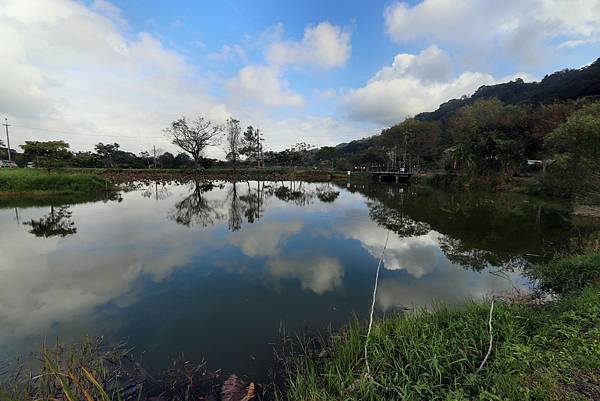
x,y
316,71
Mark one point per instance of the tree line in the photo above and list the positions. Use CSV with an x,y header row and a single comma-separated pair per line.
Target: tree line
x,y
491,141
241,147
57,153
192,136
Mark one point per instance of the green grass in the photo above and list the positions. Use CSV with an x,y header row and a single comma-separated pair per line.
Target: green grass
x,y
44,181
549,352
568,274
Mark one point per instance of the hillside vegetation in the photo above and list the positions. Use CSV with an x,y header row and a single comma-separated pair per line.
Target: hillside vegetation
x,y
490,136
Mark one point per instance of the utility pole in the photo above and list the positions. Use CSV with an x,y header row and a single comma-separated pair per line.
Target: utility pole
x,y
154,156
405,146
7,141
262,155
258,149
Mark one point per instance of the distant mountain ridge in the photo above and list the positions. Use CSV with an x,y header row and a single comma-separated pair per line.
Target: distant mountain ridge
x,y
563,85
568,84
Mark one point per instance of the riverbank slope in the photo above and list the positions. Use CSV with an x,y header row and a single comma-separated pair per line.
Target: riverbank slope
x,y
539,351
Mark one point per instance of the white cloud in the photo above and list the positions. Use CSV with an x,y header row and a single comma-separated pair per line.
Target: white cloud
x,y
418,255
110,10
66,278
264,239
412,84
324,45
73,70
316,130
317,274
325,94
264,84
228,53
431,65
523,29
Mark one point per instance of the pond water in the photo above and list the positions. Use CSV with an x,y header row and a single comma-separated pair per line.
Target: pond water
x,y
217,270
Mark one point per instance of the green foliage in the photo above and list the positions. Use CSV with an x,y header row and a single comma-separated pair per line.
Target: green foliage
x,y
38,180
421,139
488,137
107,153
568,274
576,149
252,145
327,155
47,154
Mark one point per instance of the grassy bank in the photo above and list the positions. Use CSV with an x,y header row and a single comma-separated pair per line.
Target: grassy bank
x,y
539,352
40,181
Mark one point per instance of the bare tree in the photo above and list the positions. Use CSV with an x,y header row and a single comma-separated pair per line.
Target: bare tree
x,y
194,136
233,141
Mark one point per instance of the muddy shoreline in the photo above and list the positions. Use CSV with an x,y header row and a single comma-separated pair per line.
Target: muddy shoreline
x,y
123,176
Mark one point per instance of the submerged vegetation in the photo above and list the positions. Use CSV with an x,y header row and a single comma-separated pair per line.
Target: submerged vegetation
x,y
44,181
539,352
92,371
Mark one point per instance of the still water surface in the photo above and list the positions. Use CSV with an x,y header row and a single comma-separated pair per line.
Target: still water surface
x,y
217,270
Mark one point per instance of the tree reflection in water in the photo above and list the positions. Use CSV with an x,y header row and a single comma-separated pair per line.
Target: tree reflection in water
x,y
293,192
235,209
56,223
157,192
242,202
253,200
468,225
195,209
326,193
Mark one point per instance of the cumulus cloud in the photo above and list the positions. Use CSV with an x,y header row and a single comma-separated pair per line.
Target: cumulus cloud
x,y
524,29
324,45
317,274
431,65
412,84
265,84
265,239
228,53
418,255
73,70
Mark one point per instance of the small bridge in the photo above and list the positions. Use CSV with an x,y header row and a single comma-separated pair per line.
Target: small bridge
x,y
391,176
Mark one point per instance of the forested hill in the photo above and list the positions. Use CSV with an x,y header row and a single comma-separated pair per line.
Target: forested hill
x,y
561,86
